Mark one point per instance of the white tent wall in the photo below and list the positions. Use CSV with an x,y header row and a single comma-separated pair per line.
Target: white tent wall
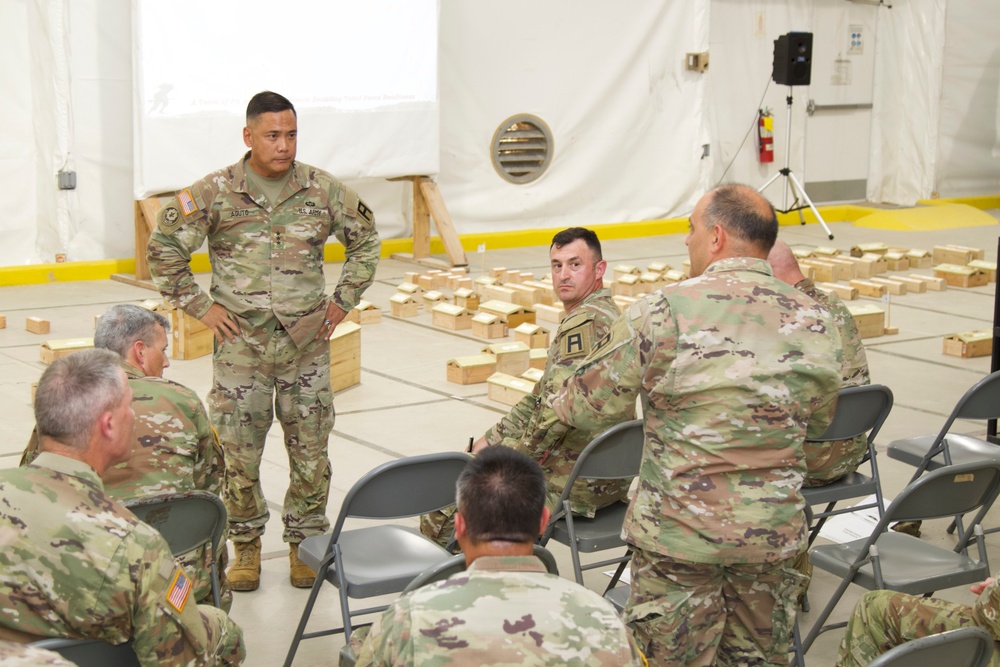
x,y
628,120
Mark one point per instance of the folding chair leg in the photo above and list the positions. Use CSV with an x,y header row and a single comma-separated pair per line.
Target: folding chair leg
x,y
618,574
798,659
306,613
817,627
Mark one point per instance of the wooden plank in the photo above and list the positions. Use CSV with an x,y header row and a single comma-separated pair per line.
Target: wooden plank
x,y
932,283
421,224
445,227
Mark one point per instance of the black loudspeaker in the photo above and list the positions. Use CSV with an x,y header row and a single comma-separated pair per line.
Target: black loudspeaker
x,y
793,59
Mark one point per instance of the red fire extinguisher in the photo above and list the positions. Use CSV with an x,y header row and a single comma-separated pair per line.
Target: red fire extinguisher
x,y
765,136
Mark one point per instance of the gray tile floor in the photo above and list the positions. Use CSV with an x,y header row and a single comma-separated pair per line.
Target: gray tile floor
x,y
405,406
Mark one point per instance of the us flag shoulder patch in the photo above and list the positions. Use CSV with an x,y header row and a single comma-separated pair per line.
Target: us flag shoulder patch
x,y
187,202
179,591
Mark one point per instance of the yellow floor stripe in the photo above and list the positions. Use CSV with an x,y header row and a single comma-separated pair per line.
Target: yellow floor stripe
x,y
927,218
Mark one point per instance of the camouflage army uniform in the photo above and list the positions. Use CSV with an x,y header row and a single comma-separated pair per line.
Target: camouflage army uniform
x,y
13,654
731,366
176,450
267,271
833,460
884,619
501,611
532,429
75,563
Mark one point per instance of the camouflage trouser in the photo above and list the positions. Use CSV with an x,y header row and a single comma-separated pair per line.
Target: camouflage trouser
x,y
685,613
251,383
224,638
884,619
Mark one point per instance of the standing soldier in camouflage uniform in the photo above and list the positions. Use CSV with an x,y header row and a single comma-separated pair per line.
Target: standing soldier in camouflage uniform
x,y
531,427
732,366
175,447
266,219
828,461
75,563
505,609
885,619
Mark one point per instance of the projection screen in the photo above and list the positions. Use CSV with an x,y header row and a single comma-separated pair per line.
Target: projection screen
x,y
362,75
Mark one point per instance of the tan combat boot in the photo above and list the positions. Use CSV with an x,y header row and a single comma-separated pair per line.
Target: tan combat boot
x,y
302,575
244,575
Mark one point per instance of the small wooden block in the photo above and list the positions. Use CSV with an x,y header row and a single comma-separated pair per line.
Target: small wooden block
x,y
56,349
961,276
364,313
532,335
539,356
508,389
550,313
497,272
932,283
36,325
403,305
845,292
466,298
512,358
919,259
657,267
3,321
513,315
862,249
345,356
894,287
897,261
868,288
950,254
449,316
989,267
977,343
878,262
471,370
488,326
869,318
912,284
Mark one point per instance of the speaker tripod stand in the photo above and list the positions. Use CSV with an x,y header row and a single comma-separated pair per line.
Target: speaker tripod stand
x,y
791,182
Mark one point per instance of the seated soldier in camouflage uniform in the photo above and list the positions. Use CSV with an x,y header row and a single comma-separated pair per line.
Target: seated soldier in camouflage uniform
x,y
885,619
827,462
505,609
13,654
175,447
734,368
530,427
73,561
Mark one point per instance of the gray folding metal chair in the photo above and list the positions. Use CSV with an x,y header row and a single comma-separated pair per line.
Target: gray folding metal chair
x,y
187,520
614,454
91,652
380,559
927,452
860,411
900,562
965,647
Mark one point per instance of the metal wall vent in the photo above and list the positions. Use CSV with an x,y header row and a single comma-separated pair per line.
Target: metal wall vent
x,y
522,148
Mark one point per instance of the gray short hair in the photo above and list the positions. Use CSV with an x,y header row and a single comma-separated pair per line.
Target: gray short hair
x,y
74,392
122,325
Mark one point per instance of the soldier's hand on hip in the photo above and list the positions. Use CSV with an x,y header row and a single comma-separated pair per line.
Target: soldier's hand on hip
x,y
334,316
217,319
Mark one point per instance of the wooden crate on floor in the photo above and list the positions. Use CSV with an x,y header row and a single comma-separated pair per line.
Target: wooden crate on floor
x,y
472,369
512,314
532,335
508,389
36,325
51,350
364,313
345,356
897,261
919,259
553,313
869,318
467,299
961,276
862,249
512,358
191,338
930,282
845,292
450,316
989,267
403,305
488,326
538,356
951,254
977,343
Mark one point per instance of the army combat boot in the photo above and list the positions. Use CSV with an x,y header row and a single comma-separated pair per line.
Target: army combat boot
x,y
244,575
302,575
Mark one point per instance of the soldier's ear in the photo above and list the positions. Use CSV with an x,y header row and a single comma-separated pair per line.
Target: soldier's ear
x,y
546,515
461,528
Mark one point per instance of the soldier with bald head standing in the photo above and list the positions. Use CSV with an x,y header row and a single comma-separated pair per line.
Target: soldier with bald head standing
x,y
267,219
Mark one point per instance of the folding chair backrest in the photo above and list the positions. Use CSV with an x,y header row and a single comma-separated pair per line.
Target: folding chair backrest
x,y
614,454
859,410
186,520
947,492
965,647
429,481
91,652
982,401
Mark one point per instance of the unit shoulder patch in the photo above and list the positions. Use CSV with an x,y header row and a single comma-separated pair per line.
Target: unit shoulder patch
x,y
576,341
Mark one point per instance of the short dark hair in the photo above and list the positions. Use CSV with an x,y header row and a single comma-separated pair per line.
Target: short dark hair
x,y
574,233
745,213
123,324
75,391
267,102
501,495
